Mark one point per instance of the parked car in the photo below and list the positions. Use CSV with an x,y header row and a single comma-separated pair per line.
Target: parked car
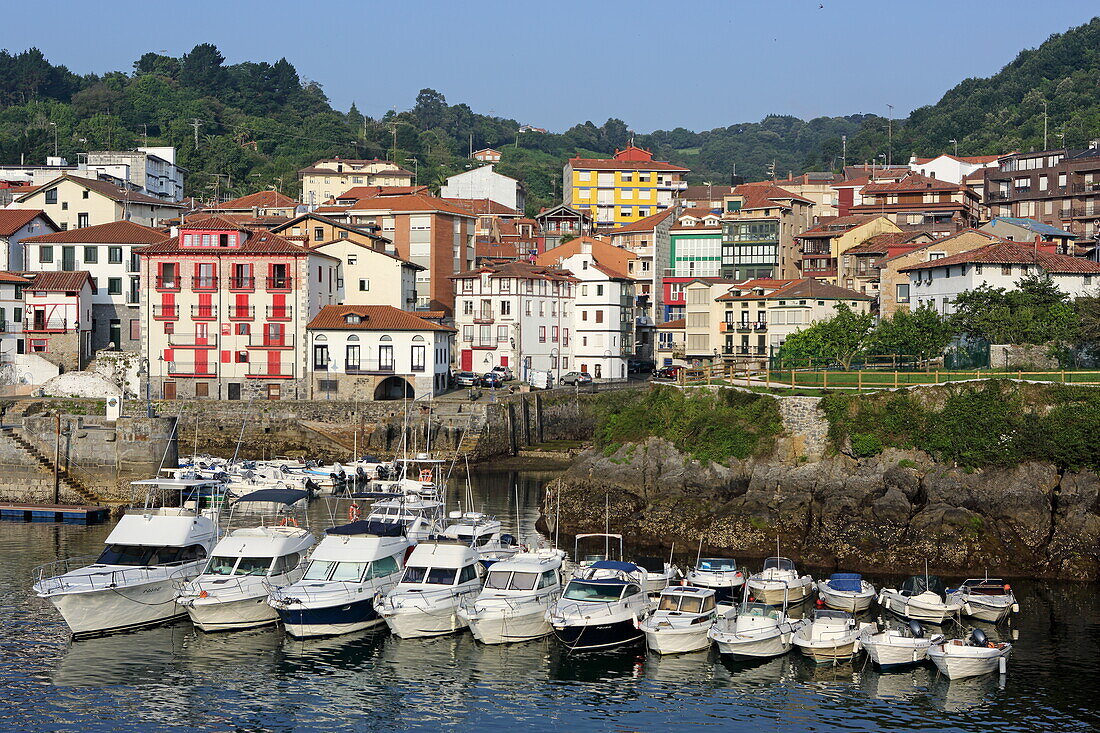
x,y
668,372
467,379
492,379
576,378
640,365
505,373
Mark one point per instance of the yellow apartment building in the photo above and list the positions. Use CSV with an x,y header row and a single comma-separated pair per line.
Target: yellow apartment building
x,y
621,190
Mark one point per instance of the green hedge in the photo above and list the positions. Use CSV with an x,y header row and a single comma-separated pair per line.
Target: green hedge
x,y
708,425
995,423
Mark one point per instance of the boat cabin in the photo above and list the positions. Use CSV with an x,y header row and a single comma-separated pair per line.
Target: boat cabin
x,y
779,563
686,599
441,564
716,565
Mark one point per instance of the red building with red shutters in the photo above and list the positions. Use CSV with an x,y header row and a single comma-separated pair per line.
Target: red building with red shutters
x,y
226,309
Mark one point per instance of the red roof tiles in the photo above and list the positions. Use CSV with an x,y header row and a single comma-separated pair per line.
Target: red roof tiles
x,y
259,200
58,281
1013,253
115,232
371,318
12,220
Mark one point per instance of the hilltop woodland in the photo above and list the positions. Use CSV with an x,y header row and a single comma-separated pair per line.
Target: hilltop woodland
x,y
252,125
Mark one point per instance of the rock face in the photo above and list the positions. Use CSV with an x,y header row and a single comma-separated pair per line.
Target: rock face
x,y
889,513
80,384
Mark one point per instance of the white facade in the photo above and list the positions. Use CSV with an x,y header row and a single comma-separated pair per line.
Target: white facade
x,y
152,170
12,257
11,313
948,167
485,183
371,277
939,286
603,318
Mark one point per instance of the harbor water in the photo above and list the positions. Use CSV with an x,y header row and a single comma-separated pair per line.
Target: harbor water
x,y
175,677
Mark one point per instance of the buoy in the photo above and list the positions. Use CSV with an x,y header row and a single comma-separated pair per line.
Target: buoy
x,y
1003,664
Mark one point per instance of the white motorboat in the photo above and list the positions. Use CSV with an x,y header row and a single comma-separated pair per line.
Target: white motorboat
x,y
596,546
659,573
601,607
831,637
892,647
419,517
683,617
513,602
720,574
439,575
133,581
232,590
972,657
754,631
483,533
349,567
846,592
921,598
779,582
986,599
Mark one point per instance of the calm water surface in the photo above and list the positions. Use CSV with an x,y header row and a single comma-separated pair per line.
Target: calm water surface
x,y
177,678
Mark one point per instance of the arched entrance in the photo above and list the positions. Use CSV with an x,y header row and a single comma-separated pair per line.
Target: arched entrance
x,y
393,388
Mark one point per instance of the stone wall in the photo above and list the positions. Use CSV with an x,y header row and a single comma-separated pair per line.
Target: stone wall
x,y
26,480
1021,356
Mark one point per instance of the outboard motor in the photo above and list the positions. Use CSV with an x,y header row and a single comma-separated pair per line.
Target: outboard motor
x,y
978,638
311,486
507,540
361,477
337,484
916,629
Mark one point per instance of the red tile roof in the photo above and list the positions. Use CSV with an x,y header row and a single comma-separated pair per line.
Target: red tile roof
x,y
373,318
646,224
525,270
1013,253
612,164
215,223
417,202
881,243
834,226
484,207
115,232
11,277
807,287
705,193
366,192
975,159
673,325
109,190
57,281
12,220
259,242
259,200
764,194
912,182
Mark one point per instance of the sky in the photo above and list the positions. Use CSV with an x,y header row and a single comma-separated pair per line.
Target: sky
x,y
655,65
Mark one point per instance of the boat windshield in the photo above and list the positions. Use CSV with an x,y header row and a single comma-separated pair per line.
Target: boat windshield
x,y
221,565
140,556
432,576
580,590
683,603
779,563
759,609
717,564
238,566
507,580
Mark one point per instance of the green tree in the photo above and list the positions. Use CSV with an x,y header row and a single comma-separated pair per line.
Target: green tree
x,y
923,333
836,340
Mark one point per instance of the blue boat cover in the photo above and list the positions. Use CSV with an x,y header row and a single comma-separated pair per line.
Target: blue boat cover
x,y
363,526
278,496
845,581
626,567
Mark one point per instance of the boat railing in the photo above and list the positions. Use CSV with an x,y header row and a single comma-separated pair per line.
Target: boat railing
x,y
423,598
194,587
52,581
570,608
290,594
513,603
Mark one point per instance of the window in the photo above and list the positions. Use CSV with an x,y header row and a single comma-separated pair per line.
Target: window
x,y
1006,269
505,307
318,234
502,334
418,358
114,286
352,258
45,253
599,316
903,292
320,356
135,329
542,334
243,329
51,196
385,358
91,255
467,333
364,285
202,389
114,255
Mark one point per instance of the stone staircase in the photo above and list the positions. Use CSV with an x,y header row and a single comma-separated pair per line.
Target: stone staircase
x,y
66,480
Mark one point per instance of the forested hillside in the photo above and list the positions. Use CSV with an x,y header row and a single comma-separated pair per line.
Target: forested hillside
x,y
250,125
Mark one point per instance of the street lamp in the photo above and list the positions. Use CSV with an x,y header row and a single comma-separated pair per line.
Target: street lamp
x,y
555,358
54,126
956,142
328,380
416,168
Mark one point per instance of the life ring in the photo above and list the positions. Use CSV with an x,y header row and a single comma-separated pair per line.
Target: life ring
x,y
288,522
353,513
426,475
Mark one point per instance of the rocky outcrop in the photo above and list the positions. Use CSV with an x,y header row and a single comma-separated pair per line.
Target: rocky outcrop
x,y
889,513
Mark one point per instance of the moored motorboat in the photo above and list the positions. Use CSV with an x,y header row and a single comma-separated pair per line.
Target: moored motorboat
x,y
659,573
779,582
439,575
484,533
893,647
831,637
349,567
232,590
986,599
976,655
754,630
720,574
921,598
513,601
681,621
601,607
846,592
133,581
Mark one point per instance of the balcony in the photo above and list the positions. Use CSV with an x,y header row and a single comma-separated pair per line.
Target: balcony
x,y
242,283
269,370
280,312
204,282
483,344
280,283
483,316
745,351
242,312
168,283
193,340
204,312
191,369
360,367
133,298
49,325
166,311
271,341
1085,212
760,326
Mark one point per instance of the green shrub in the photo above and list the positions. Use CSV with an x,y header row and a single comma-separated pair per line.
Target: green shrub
x,y
906,463
864,445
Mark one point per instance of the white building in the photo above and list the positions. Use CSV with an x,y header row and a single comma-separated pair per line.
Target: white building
x,y
152,171
16,225
370,276
377,352
939,281
11,313
951,167
485,183
603,317
515,315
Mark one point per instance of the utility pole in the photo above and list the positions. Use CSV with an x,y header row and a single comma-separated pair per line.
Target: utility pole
x,y
890,136
1044,126
843,151
195,123
393,130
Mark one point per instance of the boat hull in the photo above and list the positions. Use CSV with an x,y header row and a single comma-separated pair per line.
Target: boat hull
x,y
736,647
992,611
114,610
244,613
892,656
774,594
850,602
417,623
341,618
593,637
827,653
501,629
956,667
918,612
678,641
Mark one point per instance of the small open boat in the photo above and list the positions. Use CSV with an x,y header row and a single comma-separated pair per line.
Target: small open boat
x,y
974,656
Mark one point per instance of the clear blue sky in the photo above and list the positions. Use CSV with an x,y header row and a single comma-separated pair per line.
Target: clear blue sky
x,y
696,64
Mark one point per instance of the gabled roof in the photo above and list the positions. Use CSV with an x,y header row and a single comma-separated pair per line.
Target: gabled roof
x,y
410,203
110,190
259,200
679,323
807,287
366,192
565,209
612,164
1035,226
115,232
974,159
939,242
1013,253
58,281
367,247
834,226
764,195
602,252
215,223
881,243
705,193
12,220
326,220
646,224
912,182
524,270
373,318
13,278
259,242
483,207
